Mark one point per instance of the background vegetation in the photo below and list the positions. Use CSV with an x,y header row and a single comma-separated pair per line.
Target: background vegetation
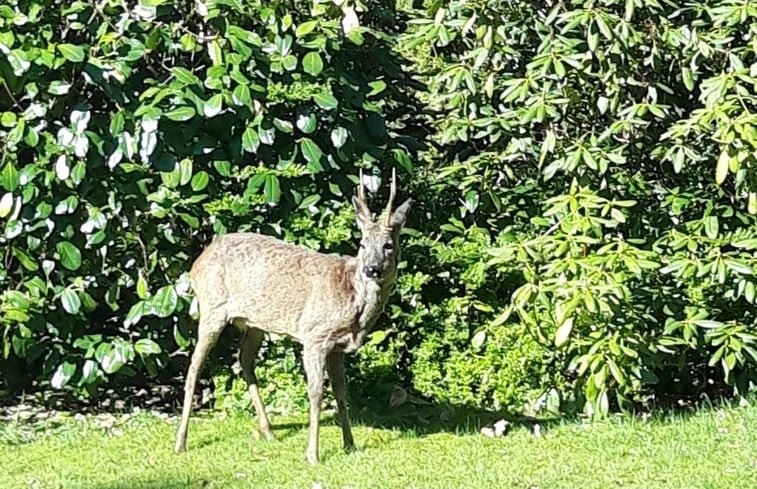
x,y
585,229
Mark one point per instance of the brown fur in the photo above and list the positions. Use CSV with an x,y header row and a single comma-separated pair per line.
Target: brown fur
x,y
328,303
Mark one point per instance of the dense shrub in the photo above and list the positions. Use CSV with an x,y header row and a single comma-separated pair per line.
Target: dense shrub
x,y
584,232
134,132
589,139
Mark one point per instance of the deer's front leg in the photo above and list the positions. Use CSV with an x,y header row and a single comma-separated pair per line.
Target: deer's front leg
x,y
314,359
335,367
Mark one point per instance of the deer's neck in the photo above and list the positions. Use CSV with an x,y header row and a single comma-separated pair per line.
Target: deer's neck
x,y
371,298
368,301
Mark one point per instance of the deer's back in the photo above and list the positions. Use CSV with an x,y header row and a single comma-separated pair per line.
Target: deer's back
x,y
273,285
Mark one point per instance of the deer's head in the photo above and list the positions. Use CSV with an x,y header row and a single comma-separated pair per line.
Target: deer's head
x,y
379,247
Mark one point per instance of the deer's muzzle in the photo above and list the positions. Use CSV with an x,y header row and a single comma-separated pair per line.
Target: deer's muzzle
x,y
371,272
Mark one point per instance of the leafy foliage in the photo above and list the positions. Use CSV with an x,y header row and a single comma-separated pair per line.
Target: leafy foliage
x,y
589,139
133,133
585,229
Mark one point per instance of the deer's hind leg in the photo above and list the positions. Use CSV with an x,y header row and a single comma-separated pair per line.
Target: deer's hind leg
x,y
249,345
208,332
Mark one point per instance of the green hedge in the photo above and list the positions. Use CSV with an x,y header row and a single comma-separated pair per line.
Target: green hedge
x,y
607,150
134,132
584,235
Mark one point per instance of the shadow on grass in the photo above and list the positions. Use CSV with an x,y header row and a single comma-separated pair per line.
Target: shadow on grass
x,y
199,483
378,401
428,418
152,485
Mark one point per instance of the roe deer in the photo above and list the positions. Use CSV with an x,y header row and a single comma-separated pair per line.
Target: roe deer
x,y
326,302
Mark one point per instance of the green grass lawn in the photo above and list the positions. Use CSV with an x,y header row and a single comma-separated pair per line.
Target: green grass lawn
x,y
713,448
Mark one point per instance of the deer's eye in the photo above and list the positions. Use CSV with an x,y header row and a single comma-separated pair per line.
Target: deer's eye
x,y
389,246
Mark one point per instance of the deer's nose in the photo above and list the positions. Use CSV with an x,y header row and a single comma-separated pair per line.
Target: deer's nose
x,y
370,272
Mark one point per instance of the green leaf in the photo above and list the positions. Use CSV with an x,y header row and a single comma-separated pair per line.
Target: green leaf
x,y
185,171
142,288
10,177
180,335
78,172
17,299
306,122
272,190
8,119
312,64
738,266
72,52
325,101
70,300
284,126
478,339
688,78
308,201
241,95
171,179
707,323
87,301
310,150
165,301
147,347
141,308
26,260
377,87
70,256
62,375
563,332
749,293
200,181
289,62
250,140
113,361
190,219
31,138
223,168
213,106
13,228
722,169
89,372
711,226
117,123
267,136
185,76
376,337
215,53
401,157
58,88
305,28
603,405
181,114
338,137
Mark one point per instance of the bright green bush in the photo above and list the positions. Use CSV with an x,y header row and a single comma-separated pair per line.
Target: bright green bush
x,y
589,139
132,132
584,232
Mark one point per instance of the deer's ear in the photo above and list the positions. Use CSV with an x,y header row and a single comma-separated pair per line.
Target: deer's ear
x,y
399,216
360,216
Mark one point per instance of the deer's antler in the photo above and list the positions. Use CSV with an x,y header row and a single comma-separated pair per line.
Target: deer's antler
x,y
361,197
392,192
